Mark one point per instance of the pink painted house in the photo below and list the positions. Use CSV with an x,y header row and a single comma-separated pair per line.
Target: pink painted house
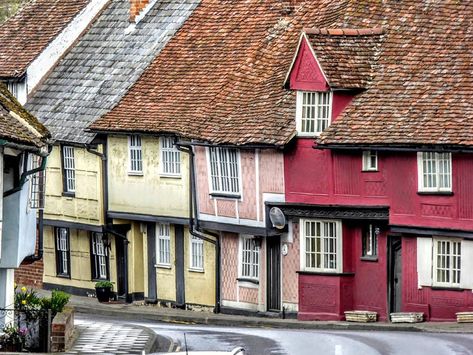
x,y
381,202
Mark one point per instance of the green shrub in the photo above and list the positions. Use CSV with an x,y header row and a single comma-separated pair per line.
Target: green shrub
x,y
56,302
104,284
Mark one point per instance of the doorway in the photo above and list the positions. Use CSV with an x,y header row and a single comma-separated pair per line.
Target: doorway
x,y
122,277
274,274
395,274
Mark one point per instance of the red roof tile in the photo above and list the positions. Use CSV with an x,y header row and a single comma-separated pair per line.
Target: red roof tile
x,y
24,36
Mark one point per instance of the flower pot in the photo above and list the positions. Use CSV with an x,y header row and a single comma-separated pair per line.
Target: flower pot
x,y
103,293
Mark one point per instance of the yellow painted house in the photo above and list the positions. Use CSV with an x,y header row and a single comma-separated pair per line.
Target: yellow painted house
x,y
111,214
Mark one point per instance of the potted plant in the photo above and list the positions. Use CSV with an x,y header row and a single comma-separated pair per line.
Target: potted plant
x,y
103,290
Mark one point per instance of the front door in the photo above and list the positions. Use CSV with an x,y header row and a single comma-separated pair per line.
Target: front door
x,y
395,274
122,281
274,273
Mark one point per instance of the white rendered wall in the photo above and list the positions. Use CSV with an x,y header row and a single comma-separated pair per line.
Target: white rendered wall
x,y
53,52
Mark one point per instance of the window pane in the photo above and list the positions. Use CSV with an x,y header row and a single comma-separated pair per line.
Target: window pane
x,y
224,170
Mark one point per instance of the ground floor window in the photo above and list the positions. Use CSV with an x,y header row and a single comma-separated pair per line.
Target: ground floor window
x,y
321,242
63,252
249,255
447,262
370,241
99,256
163,244
197,253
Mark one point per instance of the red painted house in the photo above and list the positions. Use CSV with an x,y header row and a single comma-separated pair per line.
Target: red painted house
x,y
381,201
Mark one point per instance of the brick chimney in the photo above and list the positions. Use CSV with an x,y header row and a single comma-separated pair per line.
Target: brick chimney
x,y
136,6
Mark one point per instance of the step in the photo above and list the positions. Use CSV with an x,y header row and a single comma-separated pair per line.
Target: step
x,y
361,316
407,317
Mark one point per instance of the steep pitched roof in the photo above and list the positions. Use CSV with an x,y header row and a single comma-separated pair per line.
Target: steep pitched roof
x,y
25,35
101,67
423,89
347,56
18,125
221,77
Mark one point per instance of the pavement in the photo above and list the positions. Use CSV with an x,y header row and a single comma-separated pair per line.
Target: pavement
x,y
139,311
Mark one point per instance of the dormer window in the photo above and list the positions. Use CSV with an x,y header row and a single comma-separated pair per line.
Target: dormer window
x,y
313,112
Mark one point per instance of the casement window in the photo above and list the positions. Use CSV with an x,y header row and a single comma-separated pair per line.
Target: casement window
x,y
370,161
99,256
313,112
321,245
369,241
435,171
37,183
447,262
249,254
63,252
196,253
135,155
163,244
224,171
69,170
170,157
13,88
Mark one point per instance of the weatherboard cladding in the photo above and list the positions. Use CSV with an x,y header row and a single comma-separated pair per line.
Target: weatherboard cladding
x,y
102,66
24,36
221,77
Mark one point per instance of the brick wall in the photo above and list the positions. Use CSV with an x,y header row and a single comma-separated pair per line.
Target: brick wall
x,y
30,274
62,330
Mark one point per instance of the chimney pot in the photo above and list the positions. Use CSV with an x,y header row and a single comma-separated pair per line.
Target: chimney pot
x,y
136,6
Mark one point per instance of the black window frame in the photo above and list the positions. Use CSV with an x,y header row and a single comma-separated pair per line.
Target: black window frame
x,y
94,258
59,253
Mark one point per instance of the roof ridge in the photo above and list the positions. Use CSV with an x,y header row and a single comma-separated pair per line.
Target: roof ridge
x,y
373,31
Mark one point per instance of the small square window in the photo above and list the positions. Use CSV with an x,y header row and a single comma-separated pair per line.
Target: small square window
x,y
313,112
370,241
224,167
370,160
170,157
435,172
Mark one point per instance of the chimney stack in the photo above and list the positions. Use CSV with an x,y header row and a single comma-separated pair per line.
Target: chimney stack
x,y
136,6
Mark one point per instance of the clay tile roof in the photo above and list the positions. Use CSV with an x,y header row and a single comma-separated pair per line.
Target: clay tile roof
x,y
423,89
24,36
347,56
221,77
16,124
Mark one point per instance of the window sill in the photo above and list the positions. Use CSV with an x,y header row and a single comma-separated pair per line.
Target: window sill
x,y
68,277
199,271
441,193
98,280
308,135
69,194
251,281
448,288
224,195
370,171
369,258
325,273
170,176
133,173
163,266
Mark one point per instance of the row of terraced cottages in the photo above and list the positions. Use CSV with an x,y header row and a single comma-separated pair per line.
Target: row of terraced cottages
x,y
298,158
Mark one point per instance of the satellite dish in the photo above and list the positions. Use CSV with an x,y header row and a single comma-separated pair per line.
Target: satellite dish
x,y
277,218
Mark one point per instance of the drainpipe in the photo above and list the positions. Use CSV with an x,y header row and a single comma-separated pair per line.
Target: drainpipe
x,y
194,228
103,157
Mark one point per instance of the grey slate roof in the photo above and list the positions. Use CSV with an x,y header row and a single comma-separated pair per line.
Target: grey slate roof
x,y
92,78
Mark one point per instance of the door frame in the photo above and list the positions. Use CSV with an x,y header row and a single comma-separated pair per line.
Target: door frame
x,y
275,241
394,244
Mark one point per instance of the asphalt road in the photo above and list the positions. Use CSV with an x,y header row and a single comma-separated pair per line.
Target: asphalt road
x,y
263,341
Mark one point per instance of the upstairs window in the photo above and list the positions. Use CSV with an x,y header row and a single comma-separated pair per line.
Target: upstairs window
x,y
99,257
135,155
370,160
163,244
447,262
37,184
170,157
435,172
249,258
13,88
63,252
197,253
69,169
224,171
313,111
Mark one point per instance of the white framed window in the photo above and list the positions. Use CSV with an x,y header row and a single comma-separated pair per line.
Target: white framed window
x,y
249,256
313,112
224,170
163,244
99,257
69,169
170,157
135,155
370,160
369,241
196,253
434,171
321,245
447,262
37,183
13,88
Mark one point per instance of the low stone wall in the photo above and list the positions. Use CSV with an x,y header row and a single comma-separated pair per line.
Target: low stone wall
x,y
62,330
